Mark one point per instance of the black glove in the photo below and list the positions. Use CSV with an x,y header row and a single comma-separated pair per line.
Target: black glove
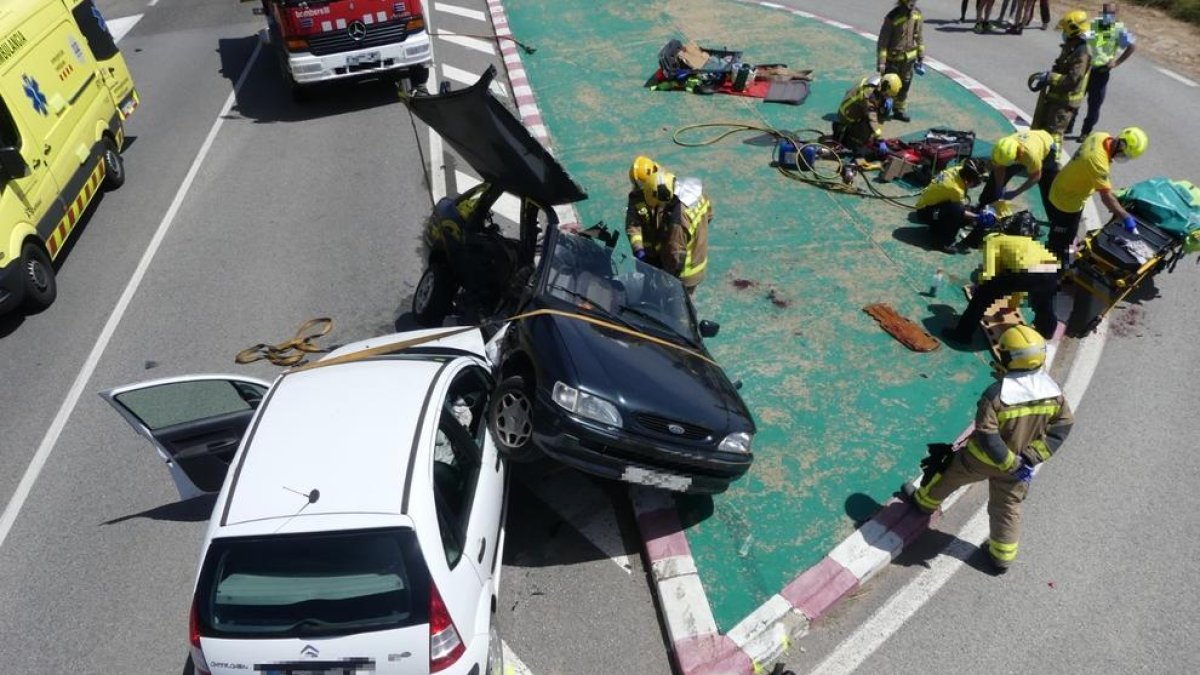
x,y
937,461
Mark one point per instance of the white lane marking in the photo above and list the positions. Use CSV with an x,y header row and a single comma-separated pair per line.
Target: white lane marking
x,y
506,206
459,11
513,665
437,153
152,3
121,26
1176,76
468,42
854,650
587,508
93,359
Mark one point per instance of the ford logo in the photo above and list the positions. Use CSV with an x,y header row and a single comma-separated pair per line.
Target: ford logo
x,y
675,429
357,31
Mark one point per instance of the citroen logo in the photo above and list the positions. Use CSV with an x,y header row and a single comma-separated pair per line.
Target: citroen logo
x,y
309,651
675,429
357,31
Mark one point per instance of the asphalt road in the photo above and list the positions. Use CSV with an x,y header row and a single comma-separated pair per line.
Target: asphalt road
x,y
269,213
1105,582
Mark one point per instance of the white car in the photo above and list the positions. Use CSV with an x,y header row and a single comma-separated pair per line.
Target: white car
x,y
358,528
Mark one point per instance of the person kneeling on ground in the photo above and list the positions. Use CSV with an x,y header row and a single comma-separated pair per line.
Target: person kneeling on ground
x,y
1012,264
858,126
943,204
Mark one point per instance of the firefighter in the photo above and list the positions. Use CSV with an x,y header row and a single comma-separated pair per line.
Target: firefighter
x,y
1035,153
1020,422
1012,264
1110,43
943,204
667,220
1061,89
1088,172
858,126
901,51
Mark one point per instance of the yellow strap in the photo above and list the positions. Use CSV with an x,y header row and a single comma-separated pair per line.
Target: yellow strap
x,y
290,352
394,347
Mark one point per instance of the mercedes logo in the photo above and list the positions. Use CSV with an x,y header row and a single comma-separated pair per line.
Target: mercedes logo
x,y
357,31
675,429
309,651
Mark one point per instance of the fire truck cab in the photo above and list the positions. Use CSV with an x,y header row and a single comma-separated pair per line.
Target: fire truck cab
x,y
325,40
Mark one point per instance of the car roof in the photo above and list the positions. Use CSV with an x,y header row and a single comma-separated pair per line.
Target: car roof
x,y
344,431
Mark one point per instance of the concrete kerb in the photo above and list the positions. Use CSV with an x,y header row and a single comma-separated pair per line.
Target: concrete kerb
x,y
698,647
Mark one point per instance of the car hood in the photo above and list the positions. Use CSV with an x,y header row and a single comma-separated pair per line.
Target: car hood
x,y
495,143
641,376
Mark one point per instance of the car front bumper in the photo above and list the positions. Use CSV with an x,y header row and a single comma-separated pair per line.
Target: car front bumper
x,y
414,51
619,455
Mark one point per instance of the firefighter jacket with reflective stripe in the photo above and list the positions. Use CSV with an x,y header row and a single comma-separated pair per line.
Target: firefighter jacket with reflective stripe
x,y
1069,75
860,104
900,38
1031,429
1108,41
675,235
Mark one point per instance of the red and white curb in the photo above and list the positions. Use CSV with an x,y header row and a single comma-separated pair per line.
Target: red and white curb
x,y
526,102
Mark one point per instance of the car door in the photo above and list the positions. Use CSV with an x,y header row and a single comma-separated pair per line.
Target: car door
x,y
34,197
195,423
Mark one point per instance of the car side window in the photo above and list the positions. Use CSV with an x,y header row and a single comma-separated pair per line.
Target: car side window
x,y
9,136
457,457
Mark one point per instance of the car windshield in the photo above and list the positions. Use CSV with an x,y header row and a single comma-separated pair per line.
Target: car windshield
x,y
312,584
590,275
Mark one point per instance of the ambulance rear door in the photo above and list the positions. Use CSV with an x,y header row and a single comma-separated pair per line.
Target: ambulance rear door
x,y
113,69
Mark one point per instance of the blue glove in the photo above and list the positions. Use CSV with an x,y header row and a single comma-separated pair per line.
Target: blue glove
x,y
1130,224
1024,472
986,217
919,68
1009,195
887,106
640,254
882,149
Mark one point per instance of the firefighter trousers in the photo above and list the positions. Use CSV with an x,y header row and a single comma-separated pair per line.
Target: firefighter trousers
x,y
1005,495
1054,116
904,70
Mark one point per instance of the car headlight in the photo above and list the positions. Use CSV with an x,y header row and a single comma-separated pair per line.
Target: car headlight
x,y
585,405
738,441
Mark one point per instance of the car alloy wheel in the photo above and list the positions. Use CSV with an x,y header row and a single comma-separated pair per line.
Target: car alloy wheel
x,y
514,419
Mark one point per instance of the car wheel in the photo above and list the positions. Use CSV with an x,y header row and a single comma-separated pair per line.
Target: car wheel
x,y
38,278
433,296
510,419
495,653
114,166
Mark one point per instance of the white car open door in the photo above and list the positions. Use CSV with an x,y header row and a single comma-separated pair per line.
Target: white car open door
x,y
195,422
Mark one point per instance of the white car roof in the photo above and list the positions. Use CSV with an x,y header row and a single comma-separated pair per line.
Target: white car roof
x,y
346,431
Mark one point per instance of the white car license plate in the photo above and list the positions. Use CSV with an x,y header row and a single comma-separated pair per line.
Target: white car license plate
x,y
666,481
359,59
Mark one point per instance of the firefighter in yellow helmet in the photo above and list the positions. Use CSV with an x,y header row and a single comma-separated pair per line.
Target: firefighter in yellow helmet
x,y
859,125
901,51
1020,422
1062,88
1012,264
667,220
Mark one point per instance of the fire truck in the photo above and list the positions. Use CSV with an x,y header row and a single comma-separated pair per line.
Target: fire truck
x,y
325,40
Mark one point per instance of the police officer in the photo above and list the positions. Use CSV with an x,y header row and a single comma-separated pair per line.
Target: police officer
x,y
1110,44
858,126
666,220
1061,89
1020,422
901,51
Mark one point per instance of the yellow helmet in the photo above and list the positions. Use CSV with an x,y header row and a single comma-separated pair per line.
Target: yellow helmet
x,y
1005,152
889,84
656,184
1073,23
1135,142
1021,349
642,170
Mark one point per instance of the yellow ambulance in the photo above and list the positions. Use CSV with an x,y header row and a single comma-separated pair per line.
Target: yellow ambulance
x,y
65,93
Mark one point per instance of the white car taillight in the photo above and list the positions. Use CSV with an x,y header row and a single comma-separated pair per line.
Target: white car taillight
x,y
445,645
198,663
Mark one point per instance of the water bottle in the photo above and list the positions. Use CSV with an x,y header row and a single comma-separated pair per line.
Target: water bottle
x,y
935,284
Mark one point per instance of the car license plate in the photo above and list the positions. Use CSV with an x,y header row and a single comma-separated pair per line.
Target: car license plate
x,y
359,59
666,481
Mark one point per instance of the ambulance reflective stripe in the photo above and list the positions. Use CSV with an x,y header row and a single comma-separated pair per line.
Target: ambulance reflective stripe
x,y
58,237
1001,551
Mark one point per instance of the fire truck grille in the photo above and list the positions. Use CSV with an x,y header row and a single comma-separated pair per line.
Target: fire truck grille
x,y
340,40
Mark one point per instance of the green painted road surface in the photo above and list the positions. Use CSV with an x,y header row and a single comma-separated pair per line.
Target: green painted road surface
x,y
844,411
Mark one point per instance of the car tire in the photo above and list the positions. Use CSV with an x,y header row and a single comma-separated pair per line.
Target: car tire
x,y
510,419
114,166
433,296
37,277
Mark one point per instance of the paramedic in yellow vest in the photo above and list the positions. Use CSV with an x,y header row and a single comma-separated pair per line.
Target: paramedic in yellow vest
x,y
859,126
1111,43
1020,422
1088,172
667,220
943,204
1034,154
901,51
1012,264
1061,89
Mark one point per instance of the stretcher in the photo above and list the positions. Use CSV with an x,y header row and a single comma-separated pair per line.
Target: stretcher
x,y
997,318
